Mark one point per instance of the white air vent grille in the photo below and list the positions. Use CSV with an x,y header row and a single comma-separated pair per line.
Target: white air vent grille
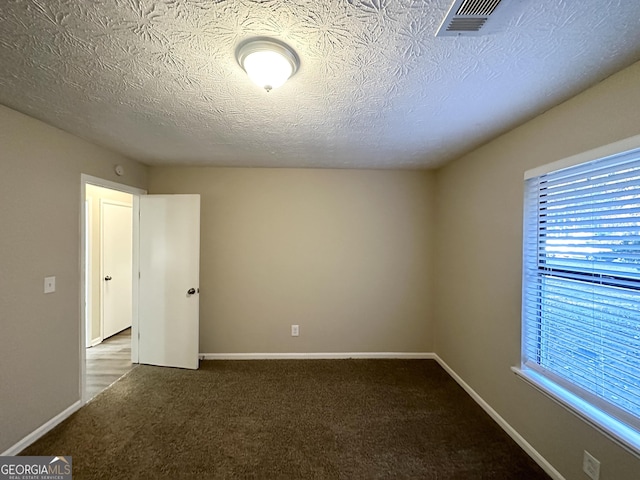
x,y
477,7
465,24
469,17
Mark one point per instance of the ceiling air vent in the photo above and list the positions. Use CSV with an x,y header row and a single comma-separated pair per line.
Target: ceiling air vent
x,y
469,17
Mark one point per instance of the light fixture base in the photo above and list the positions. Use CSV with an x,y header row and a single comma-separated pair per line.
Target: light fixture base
x,y
272,61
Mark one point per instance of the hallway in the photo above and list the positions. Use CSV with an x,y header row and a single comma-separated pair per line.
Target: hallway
x,y
107,362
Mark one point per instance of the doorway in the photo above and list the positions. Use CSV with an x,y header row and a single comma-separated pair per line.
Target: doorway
x,y
165,299
109,263
109,323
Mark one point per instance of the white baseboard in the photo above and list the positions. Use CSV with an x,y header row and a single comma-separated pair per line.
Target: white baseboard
x,y
39,432
315,356
526,446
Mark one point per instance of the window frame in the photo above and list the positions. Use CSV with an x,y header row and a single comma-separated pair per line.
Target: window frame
x,y
588,408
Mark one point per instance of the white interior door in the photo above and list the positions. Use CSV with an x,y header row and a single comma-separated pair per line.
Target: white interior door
x,y
169,280
117,267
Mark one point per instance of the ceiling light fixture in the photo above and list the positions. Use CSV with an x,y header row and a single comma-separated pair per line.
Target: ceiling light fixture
x,y
268,62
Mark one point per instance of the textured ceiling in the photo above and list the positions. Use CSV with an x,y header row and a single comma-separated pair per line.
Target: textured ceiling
x,y
158,80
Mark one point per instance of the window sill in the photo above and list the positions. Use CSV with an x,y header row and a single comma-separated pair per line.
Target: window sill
x,y
619,432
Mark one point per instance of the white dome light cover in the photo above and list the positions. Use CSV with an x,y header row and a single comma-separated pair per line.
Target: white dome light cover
x,y
268,62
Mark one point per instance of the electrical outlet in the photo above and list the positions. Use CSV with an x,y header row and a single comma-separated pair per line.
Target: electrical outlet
x,y
591,466
295,330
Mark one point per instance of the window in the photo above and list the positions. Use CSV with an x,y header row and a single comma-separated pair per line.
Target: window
x,y
581,290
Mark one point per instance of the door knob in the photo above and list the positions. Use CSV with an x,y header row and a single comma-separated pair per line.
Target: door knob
x,y
191,291
107,278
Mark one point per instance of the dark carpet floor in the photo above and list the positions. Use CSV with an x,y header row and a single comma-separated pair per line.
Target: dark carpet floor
x,y
289,419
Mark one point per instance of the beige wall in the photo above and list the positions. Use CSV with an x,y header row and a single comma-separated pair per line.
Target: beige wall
x,y
344,254
94,195
40,168
478,267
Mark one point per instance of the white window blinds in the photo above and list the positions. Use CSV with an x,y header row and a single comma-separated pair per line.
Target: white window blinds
x,y
581,290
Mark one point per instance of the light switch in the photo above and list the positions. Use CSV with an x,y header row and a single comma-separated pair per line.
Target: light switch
x,y
49,284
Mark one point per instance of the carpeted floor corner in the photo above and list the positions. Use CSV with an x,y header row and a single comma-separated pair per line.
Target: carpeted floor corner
x,y
287,419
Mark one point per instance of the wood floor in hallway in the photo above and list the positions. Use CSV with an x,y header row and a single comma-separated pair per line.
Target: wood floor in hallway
x,y
107,362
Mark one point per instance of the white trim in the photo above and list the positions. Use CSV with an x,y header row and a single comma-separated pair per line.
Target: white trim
x,y
101,266
519,439
614,148
88,308
526,446
315,356
135,287
40,431
136,192
612,428
121,187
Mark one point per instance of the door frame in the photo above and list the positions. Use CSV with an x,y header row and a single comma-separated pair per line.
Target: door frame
x,y
88,271
136,192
